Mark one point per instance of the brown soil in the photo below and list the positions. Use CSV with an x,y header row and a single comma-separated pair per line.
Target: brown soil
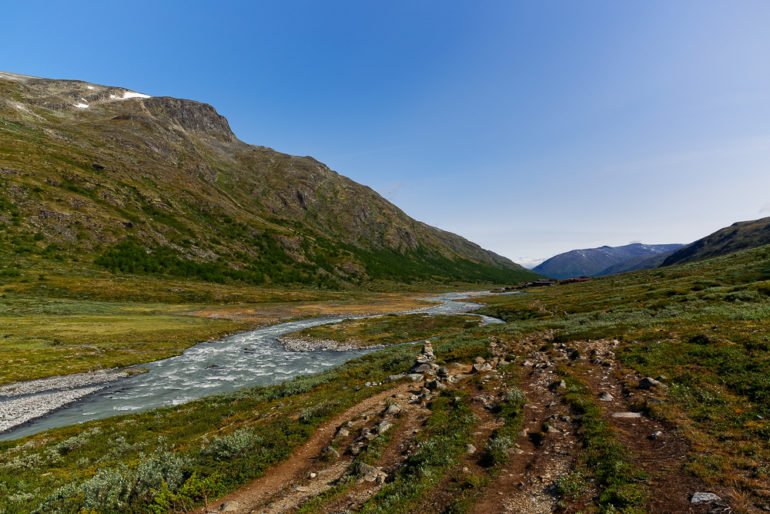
x,y
287,485
662,457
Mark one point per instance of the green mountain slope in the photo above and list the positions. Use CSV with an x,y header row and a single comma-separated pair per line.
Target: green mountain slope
x,y
738,236
104,175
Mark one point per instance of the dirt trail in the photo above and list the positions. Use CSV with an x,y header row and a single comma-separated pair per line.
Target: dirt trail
x,y
655,447
544,451
548,446
285,477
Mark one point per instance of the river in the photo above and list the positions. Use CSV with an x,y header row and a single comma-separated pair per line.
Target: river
x,y
247,359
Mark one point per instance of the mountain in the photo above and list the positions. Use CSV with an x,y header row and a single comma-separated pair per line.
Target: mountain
x,y
738,236
105,176
605,260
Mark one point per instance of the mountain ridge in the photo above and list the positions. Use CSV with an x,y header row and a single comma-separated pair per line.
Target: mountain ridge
x,y
741,235
89,167
604,260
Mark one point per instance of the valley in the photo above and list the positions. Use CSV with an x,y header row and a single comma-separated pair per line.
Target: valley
x,y
190,323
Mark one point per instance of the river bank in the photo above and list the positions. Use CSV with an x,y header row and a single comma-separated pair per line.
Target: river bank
x,y
22,402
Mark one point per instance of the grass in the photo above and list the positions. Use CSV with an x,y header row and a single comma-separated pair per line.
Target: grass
x,y
389,329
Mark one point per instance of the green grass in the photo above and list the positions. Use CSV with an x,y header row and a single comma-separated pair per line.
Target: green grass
x,y
385,330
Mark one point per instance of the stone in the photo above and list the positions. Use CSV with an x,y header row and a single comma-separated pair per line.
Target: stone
x,y
231,506
649,383
656,435
479,360
394,378
343,432
606,397
415,377
482,367
422,368
470,449
312,474
627,415
393,409
371,474
384,426
443,372
700,498
330,453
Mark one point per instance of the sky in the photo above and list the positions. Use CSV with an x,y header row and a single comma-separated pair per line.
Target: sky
x,y
529,127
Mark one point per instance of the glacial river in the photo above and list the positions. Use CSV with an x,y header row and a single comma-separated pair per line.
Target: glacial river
x,y
242,360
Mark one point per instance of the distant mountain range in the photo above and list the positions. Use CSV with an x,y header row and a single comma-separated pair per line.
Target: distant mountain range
x,y
738,236
104,175
606,260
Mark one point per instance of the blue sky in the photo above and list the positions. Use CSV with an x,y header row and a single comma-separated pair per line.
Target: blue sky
x,y
529,127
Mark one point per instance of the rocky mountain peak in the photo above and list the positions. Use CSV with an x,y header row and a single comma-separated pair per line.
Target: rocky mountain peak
x,y
191,116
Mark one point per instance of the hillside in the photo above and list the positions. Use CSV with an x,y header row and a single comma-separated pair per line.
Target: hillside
x,y
605,260
105,176
738,236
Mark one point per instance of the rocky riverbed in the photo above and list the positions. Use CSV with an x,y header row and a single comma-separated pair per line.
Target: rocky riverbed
x,y
24,401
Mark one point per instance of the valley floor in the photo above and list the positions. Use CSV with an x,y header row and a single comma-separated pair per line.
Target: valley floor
x,y
645,392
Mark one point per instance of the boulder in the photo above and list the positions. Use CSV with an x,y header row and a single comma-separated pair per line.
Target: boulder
x,y
393,409
700,498
482,367
231,506
649,383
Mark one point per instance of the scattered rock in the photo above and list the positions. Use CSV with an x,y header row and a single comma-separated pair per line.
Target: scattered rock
x,y
701,498
606,397
482,367
384,426
231,506
371,474
627,415
393,409
649,383
330,453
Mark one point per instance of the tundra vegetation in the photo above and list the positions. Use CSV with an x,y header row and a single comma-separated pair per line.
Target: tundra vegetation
x,y
700,329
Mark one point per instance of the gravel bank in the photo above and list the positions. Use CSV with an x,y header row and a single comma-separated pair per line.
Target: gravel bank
x,y
24,401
